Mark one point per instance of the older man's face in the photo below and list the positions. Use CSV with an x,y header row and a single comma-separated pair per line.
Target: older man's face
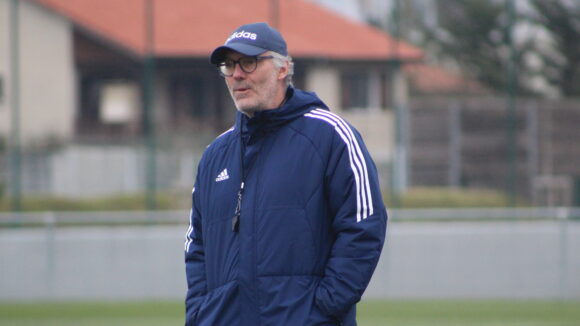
x,y
259,90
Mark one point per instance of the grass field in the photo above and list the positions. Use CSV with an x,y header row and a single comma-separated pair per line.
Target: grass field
x,y
371,313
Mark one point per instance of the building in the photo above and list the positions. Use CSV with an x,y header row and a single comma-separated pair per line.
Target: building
x,y
83,63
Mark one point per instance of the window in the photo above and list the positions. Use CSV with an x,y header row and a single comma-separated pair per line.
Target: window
x,y
354,87
119,102
386,90
107,106
188,98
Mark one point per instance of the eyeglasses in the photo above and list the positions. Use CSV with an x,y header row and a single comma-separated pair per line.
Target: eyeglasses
x,y
247,64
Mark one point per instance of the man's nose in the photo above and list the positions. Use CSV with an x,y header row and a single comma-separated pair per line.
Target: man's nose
x,y
238,72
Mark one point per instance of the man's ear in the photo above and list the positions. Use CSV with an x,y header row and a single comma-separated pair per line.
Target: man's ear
x,y
283,71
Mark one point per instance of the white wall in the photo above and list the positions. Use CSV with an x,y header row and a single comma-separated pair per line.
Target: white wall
x,y
93,171
325,82
47,76
450,260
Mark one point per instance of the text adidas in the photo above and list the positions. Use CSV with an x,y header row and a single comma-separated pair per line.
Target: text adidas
x,y
243,34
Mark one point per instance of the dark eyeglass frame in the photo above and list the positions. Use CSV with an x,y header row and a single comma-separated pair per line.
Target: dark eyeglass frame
x,y
255,60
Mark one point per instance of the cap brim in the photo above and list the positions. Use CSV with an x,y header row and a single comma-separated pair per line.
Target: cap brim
x,y
218,54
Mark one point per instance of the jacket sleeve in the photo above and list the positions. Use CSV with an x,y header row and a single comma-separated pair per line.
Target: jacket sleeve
x,y
358,218
194,260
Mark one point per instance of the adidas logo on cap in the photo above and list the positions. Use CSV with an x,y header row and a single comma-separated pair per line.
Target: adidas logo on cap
x,y
242,34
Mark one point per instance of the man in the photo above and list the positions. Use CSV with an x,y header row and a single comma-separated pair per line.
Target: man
x,y
287,222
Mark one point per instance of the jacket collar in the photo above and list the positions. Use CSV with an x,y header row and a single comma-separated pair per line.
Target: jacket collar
x,y
296,104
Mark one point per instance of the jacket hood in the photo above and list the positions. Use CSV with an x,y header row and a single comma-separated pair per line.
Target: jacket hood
x,y
298,102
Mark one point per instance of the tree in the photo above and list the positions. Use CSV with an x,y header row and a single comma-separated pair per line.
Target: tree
x,y
561,58
474,34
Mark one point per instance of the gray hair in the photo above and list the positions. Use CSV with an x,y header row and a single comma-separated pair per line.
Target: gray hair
x,y
280,61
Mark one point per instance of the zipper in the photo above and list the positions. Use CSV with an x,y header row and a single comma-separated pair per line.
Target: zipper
x,y
238,211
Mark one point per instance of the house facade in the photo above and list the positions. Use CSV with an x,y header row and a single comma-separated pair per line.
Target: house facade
x,y
83,66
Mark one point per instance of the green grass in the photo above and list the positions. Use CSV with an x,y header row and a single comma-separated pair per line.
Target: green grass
x,y
469,312
444,197
416,197
370,313
110,203
91,313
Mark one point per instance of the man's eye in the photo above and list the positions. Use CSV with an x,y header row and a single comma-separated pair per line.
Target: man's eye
x,y
247,61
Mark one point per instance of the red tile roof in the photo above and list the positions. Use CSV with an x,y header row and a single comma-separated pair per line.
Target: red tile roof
x,y
196,27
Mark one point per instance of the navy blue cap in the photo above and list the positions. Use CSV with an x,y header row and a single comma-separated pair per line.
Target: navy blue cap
x,y
251,39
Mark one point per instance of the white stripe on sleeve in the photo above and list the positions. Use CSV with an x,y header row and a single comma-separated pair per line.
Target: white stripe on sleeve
x,y
189,233
359,154
357,161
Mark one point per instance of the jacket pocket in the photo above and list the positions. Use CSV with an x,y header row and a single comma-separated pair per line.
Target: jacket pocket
x,y
289,300
348,319
220,307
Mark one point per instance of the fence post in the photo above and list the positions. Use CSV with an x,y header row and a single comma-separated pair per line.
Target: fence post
x,y
511,99
16,151
148,107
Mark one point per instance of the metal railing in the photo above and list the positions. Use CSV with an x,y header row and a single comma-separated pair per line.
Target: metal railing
x,y
89,218
483,214
177,217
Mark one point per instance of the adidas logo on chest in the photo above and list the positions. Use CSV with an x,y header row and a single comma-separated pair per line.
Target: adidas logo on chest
x,y
222,176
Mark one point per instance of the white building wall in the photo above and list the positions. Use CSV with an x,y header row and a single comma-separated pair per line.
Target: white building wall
x,y
48,83
4,66
47,76
325,81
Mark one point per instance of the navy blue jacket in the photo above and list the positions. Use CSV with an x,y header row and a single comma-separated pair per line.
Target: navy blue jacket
x,y
287,222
